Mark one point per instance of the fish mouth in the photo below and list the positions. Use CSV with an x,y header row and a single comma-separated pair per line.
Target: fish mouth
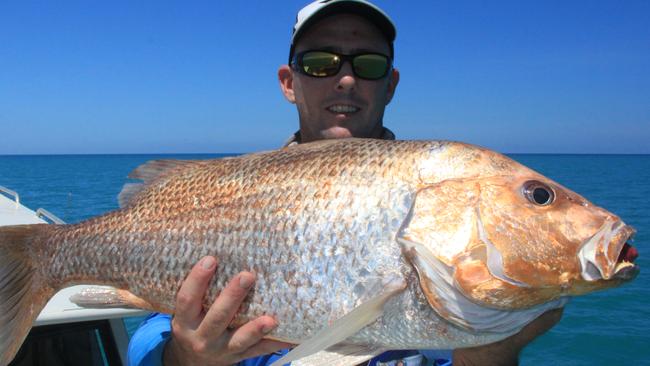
x,y
609,254
625,268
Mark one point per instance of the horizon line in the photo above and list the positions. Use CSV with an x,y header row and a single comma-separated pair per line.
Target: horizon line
x,y
252,152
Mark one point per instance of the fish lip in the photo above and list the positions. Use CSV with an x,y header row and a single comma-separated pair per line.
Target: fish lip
x,y
625,270
599,255
627,273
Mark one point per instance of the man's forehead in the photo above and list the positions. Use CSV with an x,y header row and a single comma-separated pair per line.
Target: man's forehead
x,y
344,33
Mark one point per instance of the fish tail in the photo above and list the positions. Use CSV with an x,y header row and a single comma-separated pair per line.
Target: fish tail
x,y
23,294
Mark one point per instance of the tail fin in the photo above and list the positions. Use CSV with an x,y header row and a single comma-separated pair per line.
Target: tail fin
x,y
23,294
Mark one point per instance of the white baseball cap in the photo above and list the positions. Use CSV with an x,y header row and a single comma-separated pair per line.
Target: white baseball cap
x,y
319,9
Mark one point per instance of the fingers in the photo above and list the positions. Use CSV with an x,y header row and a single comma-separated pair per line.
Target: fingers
x,y
189,300
250,333
225,306
204,339
264,348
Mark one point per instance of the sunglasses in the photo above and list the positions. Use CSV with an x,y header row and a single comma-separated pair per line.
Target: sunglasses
x,y
321,64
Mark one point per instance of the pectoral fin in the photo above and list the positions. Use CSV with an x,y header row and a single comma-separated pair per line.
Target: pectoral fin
x,y
346,326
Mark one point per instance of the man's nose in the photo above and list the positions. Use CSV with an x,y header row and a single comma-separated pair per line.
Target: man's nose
x,y
346,79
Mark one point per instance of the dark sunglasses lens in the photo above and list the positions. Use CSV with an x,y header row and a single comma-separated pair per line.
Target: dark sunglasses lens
x,y
371,66
320,64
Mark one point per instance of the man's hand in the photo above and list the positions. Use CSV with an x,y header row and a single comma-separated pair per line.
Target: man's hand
x,y
200,338
506,352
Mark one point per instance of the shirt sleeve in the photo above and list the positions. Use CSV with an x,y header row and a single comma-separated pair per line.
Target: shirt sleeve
x,y
148,342
438,357
413,357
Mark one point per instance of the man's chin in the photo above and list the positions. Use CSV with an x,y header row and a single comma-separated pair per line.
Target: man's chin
x,y
335,132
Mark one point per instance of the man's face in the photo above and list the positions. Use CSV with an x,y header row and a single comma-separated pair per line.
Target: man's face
x,y
342,105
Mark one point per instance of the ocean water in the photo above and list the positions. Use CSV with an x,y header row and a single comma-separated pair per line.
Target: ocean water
x,y
605,328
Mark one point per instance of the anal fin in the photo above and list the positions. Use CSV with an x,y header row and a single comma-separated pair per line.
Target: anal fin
x,y
345,327
104,297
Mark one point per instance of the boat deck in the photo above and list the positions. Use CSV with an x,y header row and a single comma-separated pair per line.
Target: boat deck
x,y
13,213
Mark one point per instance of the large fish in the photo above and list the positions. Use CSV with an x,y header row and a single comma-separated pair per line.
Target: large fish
x,y
359,245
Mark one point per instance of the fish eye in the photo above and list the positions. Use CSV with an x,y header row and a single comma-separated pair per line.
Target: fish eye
x,y
538,193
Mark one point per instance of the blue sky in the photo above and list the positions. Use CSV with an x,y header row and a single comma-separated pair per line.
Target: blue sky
x,y
175,77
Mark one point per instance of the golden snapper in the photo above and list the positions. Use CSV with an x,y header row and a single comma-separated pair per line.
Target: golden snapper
x,y
359,245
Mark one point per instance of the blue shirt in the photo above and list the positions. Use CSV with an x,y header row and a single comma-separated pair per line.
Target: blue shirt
x,y
147,344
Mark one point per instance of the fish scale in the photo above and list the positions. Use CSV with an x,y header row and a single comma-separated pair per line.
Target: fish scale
x,y
237,246
351,238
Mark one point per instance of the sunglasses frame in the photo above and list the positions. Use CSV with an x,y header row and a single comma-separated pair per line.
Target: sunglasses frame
x,y
297,63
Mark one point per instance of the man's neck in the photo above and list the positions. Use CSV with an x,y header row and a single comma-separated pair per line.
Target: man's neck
x,y
296,138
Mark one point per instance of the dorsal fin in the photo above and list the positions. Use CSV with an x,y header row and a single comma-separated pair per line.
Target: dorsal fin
x,y
153,169
148,172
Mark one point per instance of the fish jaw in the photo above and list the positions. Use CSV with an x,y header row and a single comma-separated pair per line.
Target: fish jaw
x,y
607,254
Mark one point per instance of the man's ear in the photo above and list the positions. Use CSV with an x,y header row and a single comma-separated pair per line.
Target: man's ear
x,y
285,76
392,85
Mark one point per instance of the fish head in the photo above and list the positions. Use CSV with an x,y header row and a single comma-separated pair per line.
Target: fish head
x,y
506,237
536,241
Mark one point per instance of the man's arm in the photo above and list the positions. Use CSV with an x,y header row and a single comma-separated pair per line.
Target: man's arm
x,y
506,352
200,338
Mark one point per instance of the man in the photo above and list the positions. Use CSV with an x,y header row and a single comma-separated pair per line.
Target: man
x,y
340,77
